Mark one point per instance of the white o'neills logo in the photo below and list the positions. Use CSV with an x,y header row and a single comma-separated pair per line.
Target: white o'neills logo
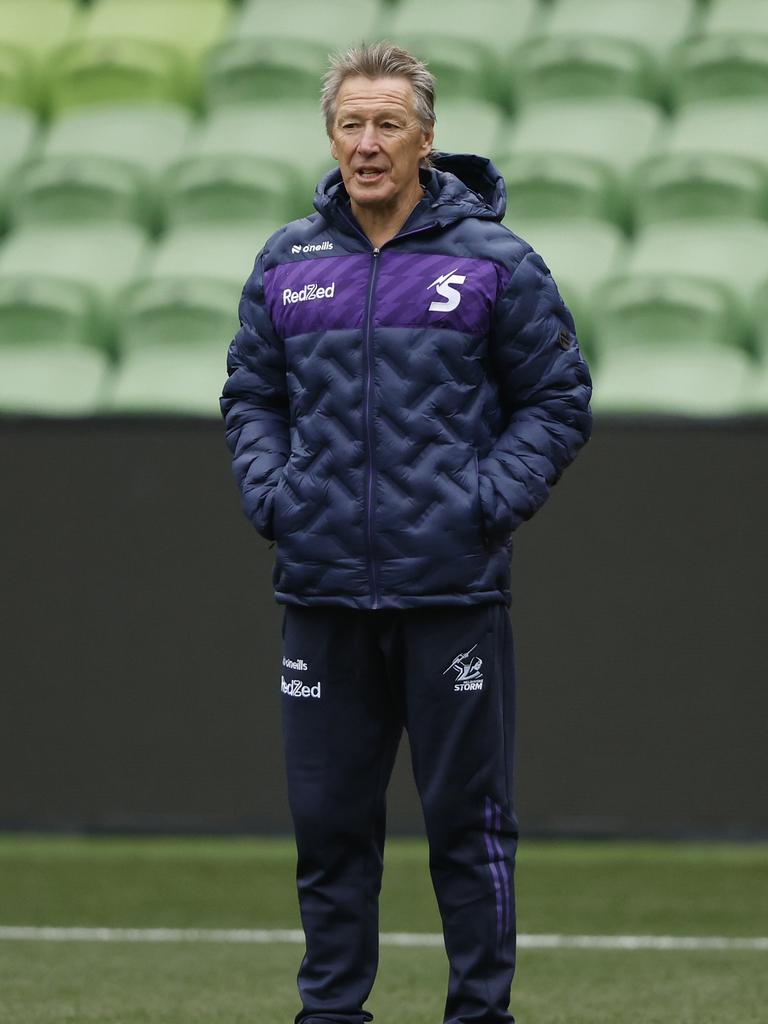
x,y
308,293
451,296
299,665
312,247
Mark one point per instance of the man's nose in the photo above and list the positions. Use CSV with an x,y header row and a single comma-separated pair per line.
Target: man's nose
x,y
369,140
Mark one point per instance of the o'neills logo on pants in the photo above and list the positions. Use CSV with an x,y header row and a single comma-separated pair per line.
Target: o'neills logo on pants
x,y
308,293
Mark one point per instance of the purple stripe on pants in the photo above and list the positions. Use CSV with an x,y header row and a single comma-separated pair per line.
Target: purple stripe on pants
x,y
494,869
503,869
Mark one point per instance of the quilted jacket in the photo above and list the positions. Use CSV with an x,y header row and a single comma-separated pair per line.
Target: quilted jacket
x,y
395,413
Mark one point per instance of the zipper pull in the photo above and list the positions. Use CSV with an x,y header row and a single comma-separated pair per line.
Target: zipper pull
x,y
376,251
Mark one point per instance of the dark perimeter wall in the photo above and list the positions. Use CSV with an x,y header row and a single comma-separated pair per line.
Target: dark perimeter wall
x,y
140,640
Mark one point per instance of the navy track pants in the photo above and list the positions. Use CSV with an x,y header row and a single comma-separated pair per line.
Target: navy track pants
x,y
351,679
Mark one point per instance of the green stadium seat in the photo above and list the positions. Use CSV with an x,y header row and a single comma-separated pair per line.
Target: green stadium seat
x,y
550,67
759,316
102,162
731,127
280,51
176,321
730,252
38,26
595,142
18,86
468,60
728,57
224,174
562,245
60,379
757,400
189,32
650,27
672,334
257,71
99,258
710,67
543,185
655,24
468,126
671,186
18,130
245,160
730,16
30,32
618,131
698,380
99,71
334,24
190,29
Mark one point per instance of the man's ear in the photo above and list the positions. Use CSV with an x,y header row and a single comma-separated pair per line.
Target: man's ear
x,y
334,153
429,138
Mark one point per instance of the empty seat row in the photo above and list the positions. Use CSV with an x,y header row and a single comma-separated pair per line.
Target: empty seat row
x,y
510,52
96,318
612,159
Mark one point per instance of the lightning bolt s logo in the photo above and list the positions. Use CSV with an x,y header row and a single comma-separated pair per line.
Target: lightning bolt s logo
x,y
451,296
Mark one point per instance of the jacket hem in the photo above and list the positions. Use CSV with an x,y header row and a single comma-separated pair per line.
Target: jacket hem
x,y
395,600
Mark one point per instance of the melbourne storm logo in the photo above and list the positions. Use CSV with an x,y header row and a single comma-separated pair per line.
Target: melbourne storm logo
x,y
443,286
468,676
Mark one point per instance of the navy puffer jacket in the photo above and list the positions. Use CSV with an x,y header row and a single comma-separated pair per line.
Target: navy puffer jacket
x,y
395,414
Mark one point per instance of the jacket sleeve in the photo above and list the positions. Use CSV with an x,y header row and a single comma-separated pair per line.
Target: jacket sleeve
x,y
545,389
255,405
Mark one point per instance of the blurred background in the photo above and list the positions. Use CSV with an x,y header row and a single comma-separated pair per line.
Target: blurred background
x,y
147,149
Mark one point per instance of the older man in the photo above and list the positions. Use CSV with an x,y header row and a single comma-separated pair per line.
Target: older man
x,y
405,388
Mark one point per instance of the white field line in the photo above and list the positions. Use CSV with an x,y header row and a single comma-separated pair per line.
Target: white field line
x,y
413,939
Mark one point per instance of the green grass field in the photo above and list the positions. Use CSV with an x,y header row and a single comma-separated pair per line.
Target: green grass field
x,y
570,888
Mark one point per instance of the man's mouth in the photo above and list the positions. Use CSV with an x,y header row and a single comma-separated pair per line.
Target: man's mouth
x,y
369,173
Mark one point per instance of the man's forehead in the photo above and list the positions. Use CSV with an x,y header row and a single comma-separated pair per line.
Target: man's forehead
x,y
392,93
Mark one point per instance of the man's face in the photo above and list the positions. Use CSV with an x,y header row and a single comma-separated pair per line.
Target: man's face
x,y
378,140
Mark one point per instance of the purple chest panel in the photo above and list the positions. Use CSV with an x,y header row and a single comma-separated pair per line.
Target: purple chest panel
x,y
417,290
318,295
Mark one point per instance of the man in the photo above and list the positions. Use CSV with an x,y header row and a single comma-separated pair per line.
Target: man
x,y
405,388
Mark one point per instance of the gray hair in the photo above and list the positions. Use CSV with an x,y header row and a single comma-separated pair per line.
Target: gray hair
x,y
380,60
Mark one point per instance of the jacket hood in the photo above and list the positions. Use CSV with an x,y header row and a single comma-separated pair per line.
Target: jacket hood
x,y
459,185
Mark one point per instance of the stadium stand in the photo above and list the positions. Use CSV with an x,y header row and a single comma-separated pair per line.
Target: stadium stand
x,y
596,142
100,258
636,131
102,162
727,57
557,66
469,126
115,70
565,242
655,24
469,47
246,151
175,320
230,170
278,51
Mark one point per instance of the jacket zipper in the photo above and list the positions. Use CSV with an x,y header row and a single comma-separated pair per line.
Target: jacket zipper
x,y
369,421
367,404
